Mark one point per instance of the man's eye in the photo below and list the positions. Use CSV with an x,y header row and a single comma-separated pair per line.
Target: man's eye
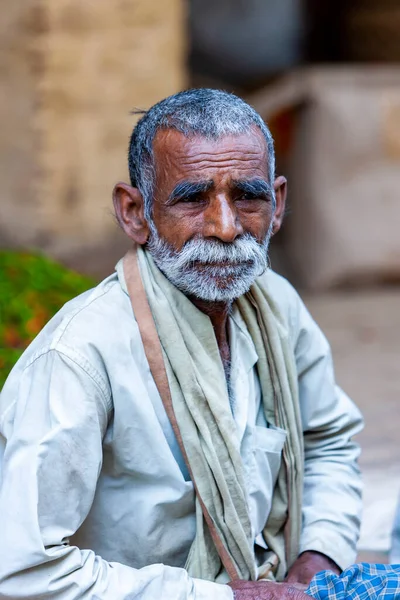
x,y
188,199
248,196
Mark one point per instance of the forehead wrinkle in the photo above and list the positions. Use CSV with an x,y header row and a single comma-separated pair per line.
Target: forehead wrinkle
x,y
222,161
180,148
231,152
190,161
236,170
220,156
218,151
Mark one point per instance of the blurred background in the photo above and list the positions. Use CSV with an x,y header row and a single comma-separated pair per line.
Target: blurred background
x,y
326,78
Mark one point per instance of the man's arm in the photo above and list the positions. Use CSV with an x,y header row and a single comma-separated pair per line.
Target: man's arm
x,y
52,460
332,484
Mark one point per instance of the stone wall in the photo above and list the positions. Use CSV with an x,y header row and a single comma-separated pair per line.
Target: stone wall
x,y
20,69
71,72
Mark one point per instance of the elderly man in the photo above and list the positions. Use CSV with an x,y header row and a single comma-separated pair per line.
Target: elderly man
x,y
176,432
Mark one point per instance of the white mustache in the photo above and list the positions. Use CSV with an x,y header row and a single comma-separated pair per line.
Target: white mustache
x,y
242,250
229,268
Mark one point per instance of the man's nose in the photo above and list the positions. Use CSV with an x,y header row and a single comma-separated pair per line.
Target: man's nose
x,y
222,221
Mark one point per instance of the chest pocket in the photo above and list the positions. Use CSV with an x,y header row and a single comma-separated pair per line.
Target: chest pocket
x,y
266,460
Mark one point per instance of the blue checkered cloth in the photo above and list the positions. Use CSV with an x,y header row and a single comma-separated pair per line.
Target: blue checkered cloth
x,y
359,582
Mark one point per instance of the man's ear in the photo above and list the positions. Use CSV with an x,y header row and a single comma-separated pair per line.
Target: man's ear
x,y
280,187
129,210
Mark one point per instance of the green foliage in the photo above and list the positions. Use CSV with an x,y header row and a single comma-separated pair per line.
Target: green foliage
x,y
32,289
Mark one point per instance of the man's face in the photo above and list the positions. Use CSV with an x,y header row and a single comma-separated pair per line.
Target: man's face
x,y
213,208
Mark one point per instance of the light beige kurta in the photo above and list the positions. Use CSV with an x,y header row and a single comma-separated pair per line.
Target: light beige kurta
x,y
95,500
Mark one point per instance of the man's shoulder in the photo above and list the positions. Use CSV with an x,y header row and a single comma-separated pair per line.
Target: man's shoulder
x,y
87,315
281,292
279,286
290,308
86,326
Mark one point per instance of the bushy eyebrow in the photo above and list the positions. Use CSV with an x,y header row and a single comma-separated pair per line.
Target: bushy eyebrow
x,y
257,187
189,189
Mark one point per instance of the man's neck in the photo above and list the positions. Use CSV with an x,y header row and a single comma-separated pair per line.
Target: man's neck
x,y
218,313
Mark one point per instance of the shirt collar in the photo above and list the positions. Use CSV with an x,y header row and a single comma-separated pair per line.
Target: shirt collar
x,y
119,267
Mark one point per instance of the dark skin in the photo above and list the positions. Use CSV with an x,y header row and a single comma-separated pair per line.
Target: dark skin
x,y
267,590
216,189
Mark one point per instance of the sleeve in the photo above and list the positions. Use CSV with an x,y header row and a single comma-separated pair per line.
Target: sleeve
x,y
51,462
332,501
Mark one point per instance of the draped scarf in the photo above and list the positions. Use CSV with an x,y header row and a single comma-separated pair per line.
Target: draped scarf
x,y
200,412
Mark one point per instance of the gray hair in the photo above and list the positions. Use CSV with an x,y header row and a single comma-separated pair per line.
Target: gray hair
x,y
205,112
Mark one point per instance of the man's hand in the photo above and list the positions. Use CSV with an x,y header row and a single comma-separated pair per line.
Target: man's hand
x,y
266,590
307,565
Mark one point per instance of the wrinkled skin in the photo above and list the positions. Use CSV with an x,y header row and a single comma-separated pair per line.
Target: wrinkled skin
x,y
307,565
266,590
297,580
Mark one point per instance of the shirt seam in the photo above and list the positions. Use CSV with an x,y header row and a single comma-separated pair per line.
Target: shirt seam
x,y
90,370
65,326
86,367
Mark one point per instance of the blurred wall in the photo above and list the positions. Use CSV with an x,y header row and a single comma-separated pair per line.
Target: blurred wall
x,y
342,159
70,73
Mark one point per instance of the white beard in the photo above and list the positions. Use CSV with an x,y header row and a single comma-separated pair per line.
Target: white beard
x,y
211,270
